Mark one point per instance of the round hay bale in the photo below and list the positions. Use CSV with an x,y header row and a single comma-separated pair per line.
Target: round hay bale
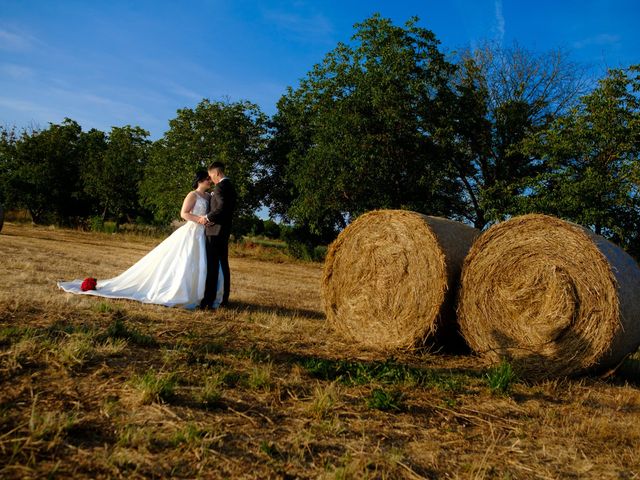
x,y
390,277
549,296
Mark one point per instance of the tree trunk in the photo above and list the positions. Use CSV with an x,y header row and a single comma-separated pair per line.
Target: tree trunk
x,y
1,217
35,215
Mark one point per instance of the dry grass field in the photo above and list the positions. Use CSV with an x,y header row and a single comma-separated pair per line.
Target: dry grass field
x,y
96,388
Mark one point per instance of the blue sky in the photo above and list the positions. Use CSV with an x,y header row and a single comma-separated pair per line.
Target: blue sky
x,y
110,63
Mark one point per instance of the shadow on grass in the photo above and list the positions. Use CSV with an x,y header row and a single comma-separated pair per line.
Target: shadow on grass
x,y
364,372
276,309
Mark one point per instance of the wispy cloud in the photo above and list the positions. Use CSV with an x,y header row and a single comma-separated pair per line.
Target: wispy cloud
x,y
18,105
87,102
313,26
601,39
90,109
17,72
184,92
500,24
15,41
35,111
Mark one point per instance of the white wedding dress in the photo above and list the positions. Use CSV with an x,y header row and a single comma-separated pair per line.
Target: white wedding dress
x,y
172,274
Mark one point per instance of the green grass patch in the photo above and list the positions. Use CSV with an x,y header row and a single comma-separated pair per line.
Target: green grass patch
x,y
118,329
386,400
230,378
189,435
155,387
76,349
211,394
324,401
501,378
12,334
62,329
213,347
254,354
103,307
260,377
390,372
271,450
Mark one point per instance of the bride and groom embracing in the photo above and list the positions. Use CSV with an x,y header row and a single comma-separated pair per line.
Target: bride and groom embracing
x,y
190,268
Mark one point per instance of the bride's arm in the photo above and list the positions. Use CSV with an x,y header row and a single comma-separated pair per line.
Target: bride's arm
x,y
187,206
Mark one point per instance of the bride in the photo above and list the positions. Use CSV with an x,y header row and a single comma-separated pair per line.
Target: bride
x,y
173,273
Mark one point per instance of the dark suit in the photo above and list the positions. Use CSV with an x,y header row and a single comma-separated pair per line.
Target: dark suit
x,y
221,208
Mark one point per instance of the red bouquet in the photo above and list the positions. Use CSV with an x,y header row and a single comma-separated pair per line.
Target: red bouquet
x,y
88,284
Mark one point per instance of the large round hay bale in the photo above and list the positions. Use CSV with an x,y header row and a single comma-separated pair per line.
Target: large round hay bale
x,y
549,296
390,277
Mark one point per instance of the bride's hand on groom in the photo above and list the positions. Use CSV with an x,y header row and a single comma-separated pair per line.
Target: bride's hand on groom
x,y
204,221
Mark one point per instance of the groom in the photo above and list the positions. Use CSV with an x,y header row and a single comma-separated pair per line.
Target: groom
x,y
218,229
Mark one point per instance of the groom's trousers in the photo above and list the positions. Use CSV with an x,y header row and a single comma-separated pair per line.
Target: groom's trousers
x,y
217,247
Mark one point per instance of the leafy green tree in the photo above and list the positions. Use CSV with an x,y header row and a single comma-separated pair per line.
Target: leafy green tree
x,y
591,155
93,145
358,132
43,173
113,168
8,139
503,96
271,229
233,132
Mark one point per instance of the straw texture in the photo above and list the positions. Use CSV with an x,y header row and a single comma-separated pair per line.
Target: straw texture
x,y
390,278
550,296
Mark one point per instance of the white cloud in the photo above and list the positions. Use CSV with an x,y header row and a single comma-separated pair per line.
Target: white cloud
x,y
13,41
86,107
86,103
314,26
17,72
185,92
601,39
29,112
500,24
18,105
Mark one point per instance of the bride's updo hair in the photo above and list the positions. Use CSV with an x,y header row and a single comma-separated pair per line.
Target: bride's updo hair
x,y
201,175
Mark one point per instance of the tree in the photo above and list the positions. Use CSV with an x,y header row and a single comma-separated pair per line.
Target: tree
x,y
113,168
43,172
357,133
504,95
93,145
591,157
8,139
233,132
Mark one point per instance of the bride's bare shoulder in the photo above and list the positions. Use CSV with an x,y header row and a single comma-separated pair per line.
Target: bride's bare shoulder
x,y
196,195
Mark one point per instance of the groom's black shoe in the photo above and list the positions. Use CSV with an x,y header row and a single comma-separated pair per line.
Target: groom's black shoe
x,y
224,304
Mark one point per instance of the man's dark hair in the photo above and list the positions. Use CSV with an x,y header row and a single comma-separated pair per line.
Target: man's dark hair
x,y
217,166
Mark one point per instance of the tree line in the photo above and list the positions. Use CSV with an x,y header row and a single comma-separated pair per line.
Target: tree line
x,y
385,120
